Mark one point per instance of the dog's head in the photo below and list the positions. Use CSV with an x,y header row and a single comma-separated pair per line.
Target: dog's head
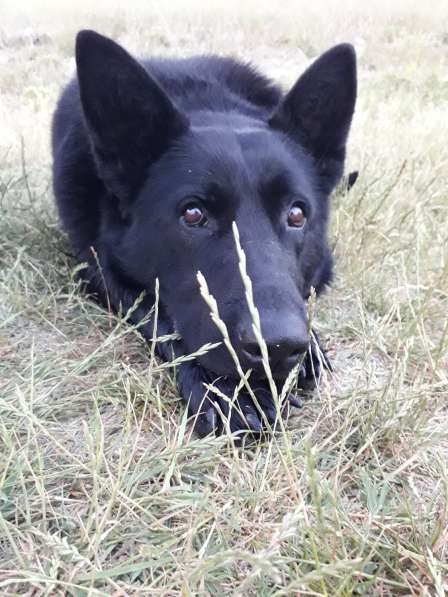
x,y
180,179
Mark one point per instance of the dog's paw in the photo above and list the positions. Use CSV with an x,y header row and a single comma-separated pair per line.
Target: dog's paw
x,y
216,409
315,360
213,408
191,381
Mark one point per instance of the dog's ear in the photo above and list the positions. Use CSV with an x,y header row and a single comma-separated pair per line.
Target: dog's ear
x,y
130,119
318,110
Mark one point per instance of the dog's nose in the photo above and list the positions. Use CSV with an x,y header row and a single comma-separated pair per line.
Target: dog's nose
x,y
284,350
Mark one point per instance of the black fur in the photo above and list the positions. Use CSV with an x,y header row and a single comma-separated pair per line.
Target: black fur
x,y
135,144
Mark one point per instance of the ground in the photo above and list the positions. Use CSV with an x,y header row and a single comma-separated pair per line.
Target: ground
x,y
104,490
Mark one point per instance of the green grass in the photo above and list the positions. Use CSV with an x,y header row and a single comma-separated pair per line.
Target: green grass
x,y
104,490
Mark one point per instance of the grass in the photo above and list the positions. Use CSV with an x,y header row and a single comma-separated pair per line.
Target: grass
x,y
104,490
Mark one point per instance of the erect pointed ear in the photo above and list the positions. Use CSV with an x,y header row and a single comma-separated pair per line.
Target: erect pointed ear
x,y
318,110
130,119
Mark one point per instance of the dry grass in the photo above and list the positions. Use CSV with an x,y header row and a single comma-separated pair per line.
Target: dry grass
x,y
103,489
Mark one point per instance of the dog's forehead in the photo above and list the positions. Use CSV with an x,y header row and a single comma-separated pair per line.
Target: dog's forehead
x,y
248,152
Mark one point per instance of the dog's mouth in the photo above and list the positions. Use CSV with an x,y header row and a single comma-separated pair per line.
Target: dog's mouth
x,y
258,375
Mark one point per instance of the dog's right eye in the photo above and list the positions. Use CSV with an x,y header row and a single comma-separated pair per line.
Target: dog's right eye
x,y
296,217
193,215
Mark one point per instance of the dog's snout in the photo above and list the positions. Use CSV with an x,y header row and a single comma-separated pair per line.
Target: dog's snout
x,y
284,348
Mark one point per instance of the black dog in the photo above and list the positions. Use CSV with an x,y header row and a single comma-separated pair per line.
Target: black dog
x,y
153,161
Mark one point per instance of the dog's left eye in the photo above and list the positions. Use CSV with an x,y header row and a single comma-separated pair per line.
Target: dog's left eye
x,y
296,217
193,215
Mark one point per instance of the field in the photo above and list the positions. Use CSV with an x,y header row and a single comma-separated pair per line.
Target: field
x,y
104,490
